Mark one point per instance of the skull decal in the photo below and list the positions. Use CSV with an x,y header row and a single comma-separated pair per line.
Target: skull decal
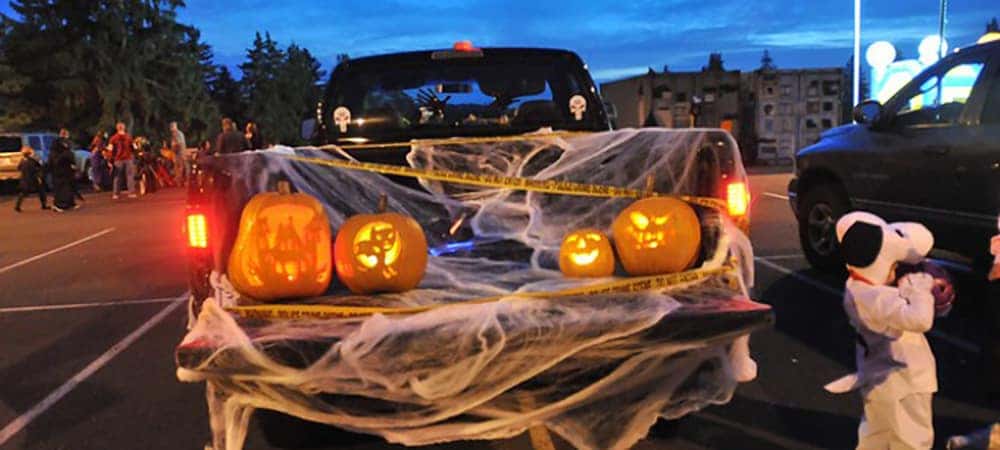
x,y
577,106
342,117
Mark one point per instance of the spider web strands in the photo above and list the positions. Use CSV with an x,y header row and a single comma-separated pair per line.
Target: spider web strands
x,y
627,285
460,141
499,181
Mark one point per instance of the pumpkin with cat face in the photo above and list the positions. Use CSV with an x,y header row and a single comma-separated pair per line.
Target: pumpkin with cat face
x,y
384,252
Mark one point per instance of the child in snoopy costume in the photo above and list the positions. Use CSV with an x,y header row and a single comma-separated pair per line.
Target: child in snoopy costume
x,y
896,372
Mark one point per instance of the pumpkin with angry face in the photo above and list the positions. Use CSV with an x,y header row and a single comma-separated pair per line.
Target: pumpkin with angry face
x,y
586,253
657,235
385,252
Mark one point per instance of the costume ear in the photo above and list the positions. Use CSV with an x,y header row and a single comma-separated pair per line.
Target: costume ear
x,y
861,244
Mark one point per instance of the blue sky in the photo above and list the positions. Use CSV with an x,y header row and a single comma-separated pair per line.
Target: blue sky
x,y
616,38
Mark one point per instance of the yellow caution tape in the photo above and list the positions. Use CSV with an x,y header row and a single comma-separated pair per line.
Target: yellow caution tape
x,y
627,285
505,182
461,141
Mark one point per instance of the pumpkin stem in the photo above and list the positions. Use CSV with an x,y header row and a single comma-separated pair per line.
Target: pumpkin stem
x,y
383,203
650,181
284,187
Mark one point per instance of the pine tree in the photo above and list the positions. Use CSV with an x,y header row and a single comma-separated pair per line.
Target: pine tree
x,y
90,64
225,91
279,88
259,84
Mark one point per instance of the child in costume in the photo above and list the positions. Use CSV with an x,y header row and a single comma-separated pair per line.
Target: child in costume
x,y
896,371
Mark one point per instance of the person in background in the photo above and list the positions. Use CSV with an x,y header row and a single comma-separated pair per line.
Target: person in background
x,y
204,149
99,170
988,437
63,168
178,143
229,140
64,140
31,178
252,136
121,155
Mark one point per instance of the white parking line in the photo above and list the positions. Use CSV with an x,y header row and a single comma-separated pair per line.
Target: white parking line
x,y
19,309
773,195
957,342
782,257
56,250
764,435
30,415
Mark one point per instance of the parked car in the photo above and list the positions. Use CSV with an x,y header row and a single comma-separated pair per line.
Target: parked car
x,y
931,154
41,142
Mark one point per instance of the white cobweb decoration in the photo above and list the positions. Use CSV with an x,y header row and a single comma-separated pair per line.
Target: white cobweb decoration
x,y
597,370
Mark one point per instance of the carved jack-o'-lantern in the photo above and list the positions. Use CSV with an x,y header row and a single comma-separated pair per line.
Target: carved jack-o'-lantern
x,y
586,253
283,247
657,235
385,252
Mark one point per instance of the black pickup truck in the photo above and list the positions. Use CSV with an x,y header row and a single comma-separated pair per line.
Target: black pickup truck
x,y
931,154
378,109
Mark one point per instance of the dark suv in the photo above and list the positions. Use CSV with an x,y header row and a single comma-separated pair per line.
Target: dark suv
x,y
931,154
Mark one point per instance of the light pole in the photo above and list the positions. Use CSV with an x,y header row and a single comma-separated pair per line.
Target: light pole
x,y
857,52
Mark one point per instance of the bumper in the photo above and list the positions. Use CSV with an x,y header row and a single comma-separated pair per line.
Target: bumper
x,y
793,195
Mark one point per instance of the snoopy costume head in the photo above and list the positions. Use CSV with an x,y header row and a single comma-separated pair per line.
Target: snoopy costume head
x,y
871,247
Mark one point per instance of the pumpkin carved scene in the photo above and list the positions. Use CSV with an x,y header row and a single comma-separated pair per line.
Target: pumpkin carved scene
x,y
282,248
384,252
657,235
586,253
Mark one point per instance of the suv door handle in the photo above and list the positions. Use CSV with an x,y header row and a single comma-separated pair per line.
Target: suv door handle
x,y
937,151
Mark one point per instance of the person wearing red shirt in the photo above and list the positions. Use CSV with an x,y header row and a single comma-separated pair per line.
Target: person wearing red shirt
x,y
121,154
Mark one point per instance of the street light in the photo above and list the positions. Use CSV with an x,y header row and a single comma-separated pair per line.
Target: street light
x,y
857,52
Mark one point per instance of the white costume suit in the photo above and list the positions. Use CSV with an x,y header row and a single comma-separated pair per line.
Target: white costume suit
x,y
896,372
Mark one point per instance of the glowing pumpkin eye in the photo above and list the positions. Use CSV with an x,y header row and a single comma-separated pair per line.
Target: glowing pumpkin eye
x,y
639,220
661,220
594,237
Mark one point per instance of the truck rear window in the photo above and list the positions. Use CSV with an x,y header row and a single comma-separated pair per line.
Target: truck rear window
x,y
447,97
10,143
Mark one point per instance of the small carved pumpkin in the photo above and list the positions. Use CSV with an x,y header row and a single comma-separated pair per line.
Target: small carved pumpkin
x,y
384,252
283,247
657,235
586,253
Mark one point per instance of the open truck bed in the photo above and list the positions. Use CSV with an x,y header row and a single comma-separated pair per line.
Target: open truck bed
x,y
597,368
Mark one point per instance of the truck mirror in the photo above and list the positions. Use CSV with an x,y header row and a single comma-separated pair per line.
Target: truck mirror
x,y
307,128
868,112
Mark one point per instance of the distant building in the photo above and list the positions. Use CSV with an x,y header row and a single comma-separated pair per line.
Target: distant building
x,y
709,98
792,107
771,112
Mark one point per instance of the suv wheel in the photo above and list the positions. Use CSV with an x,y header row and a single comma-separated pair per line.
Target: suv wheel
x,y
821,206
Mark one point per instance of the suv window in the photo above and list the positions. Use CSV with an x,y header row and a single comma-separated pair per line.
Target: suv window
x,y
10,143
48,141
940,99
991,109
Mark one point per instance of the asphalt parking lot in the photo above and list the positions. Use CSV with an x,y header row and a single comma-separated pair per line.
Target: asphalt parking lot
x,y
91,309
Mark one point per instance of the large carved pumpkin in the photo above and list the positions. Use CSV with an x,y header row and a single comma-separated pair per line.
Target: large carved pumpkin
x,y
586,253
283,247
657,235
384,252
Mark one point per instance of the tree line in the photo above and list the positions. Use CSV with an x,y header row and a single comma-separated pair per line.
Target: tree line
x,y
87,65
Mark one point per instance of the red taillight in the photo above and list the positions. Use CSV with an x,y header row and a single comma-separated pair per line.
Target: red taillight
x,y
464,46
737,199
197,230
